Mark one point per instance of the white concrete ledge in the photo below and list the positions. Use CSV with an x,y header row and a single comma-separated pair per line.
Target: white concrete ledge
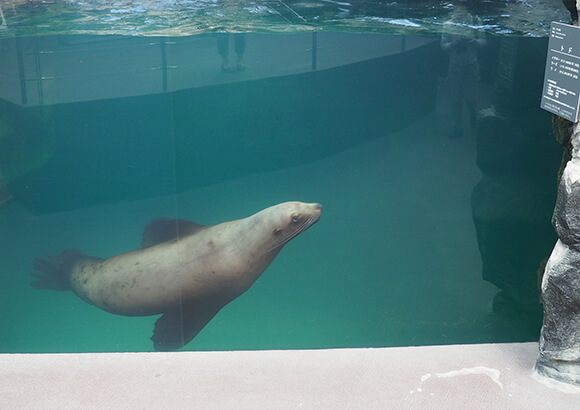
x,y
491,376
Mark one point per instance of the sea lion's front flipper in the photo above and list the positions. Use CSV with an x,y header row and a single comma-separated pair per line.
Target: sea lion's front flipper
x,y
176,328
167,229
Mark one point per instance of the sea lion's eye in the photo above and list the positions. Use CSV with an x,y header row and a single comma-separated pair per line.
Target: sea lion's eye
x,y
295,218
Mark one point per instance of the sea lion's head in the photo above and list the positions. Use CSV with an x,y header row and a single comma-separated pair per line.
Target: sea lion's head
x,y
283,222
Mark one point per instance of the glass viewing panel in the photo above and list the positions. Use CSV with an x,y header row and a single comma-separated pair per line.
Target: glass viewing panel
x,y
417,128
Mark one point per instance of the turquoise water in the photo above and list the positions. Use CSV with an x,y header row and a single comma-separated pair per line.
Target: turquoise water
x,y
424,239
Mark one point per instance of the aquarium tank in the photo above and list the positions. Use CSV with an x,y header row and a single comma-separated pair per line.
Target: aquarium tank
x,y
414,123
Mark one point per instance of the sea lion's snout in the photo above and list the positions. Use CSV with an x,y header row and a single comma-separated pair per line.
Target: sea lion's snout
x,y
317,211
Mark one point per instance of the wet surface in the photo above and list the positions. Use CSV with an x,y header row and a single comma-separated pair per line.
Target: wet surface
x,y
177,18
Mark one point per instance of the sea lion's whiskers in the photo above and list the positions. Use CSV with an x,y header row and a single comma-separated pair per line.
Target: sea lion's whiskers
x,y
307,224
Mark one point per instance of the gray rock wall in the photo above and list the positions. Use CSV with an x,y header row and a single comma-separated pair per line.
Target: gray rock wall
x,y
560,337
559,356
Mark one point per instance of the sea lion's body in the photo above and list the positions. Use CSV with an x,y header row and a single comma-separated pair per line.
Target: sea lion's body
x,y
185,271
148,281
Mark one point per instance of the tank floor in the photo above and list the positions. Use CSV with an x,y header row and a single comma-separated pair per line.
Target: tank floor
x,y
491,376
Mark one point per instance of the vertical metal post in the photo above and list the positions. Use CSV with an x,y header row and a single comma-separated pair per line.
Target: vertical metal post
x,y
403,42
38,68
21,73
314,49
164,62
2,19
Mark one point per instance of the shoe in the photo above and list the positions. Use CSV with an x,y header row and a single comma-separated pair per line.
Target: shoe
x,y
228,68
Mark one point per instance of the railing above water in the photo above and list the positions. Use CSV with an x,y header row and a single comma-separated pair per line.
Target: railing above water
x,y
62,69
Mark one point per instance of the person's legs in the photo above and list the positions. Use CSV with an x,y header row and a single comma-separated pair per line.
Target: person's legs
x,y
455,84
470,84
223,46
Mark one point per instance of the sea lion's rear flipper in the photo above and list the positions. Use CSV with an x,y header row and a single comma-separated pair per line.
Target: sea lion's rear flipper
x,y
54,271
167,229
176,328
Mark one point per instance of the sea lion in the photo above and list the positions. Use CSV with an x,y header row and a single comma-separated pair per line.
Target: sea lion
x,y
185,271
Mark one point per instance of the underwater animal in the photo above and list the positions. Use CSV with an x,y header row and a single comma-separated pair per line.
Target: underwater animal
x,y
184,271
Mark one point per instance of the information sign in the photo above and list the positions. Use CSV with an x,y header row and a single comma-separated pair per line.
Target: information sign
x,y
561,93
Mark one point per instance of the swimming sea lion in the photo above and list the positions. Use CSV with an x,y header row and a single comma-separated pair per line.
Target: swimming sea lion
x,y
185,271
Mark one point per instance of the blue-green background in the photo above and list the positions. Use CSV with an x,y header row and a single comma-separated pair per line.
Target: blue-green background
x,y
394,259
